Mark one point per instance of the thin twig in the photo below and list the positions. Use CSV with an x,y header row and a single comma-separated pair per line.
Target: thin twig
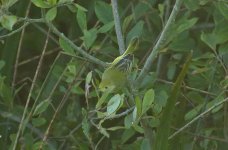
x,y
61,104
21,125
37,57
15,31
99,142
119,34
27,22
18,119
19,48
121,114
188,87
197,117
160,42
205,137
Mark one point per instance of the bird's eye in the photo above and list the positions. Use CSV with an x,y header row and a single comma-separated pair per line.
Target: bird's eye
x,y
106,87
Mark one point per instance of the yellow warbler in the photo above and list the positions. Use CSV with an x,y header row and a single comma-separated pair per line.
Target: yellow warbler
x,y
115,76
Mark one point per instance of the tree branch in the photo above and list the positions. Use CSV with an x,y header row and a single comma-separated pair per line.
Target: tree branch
x,y
198,117
118,27
76,48
160,42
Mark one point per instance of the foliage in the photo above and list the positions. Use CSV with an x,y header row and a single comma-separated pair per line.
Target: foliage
x,y
54,54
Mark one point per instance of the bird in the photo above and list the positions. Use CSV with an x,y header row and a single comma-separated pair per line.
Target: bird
x,y
115,76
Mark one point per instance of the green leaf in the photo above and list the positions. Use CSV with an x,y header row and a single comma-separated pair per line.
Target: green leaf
x,y
221,31
136,31
182,43
104,132
107,27
6,94
115,128
41,107
128,121
52,2
103,12
138,104
171,70
89,77
193,112
85,123
36,146
192,4
145,144
147,100
81,18
63,1
113,104
154,122
72,8
41,3
204,2
223,8
51,14
134,114
161,9
102,99
140,9
126,23
65,46
10,2
157,109
90,37
161,98
2,64
8,21
37,122
209,39
81,8
138,128
77,90
128,133
186,24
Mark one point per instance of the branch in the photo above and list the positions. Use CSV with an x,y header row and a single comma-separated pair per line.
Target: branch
x,y
197,117
76,48
15,31
23,121
160,42
27,22
118,27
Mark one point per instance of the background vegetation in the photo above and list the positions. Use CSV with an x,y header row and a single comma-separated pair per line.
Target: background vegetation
x,y
53,53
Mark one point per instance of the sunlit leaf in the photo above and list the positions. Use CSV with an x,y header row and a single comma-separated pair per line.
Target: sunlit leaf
x,y
145,144
8,21
106,27
89,77
103,12
41,3
113,104
51,14
65,46
136,31
37,122
81,18
41,107
89,37
209,39
148,100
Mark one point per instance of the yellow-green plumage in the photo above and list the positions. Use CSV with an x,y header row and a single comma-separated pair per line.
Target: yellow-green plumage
x,y
115,76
